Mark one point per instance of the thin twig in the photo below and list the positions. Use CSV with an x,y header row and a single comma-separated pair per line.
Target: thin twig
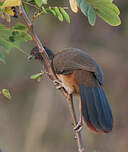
x,y
51,73
31,5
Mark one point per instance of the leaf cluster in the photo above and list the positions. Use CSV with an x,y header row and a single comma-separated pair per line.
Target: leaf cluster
x,y
58,12
7,8
105,9
42,8
11,38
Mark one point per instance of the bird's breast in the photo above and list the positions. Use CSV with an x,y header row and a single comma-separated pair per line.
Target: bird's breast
x,y
69,82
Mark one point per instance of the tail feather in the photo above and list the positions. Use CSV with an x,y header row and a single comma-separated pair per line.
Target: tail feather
x,y
95,108
85,111
105,115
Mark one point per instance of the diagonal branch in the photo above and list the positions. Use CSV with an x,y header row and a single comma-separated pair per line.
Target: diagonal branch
x,y
51,73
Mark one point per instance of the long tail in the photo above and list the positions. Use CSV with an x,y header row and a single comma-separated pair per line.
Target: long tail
x,y
95,109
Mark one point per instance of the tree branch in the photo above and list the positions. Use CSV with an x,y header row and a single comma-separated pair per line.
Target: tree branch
x,y
51,73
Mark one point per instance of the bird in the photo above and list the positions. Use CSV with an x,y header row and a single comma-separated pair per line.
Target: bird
x,y
80,75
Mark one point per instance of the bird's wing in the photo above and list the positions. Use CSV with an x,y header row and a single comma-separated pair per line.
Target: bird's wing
x,y
95,108
72,59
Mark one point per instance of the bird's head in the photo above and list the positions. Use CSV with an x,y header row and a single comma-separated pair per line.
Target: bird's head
x,y
37,55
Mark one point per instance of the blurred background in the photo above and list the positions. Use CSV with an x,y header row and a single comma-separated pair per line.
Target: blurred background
x,y
37,118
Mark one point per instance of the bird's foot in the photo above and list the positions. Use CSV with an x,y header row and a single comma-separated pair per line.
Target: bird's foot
x,y
58,84
79,126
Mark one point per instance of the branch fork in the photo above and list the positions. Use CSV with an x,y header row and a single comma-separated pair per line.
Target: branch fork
x,y
51,74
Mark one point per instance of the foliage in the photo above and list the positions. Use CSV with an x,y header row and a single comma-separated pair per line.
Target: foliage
x,y
37,76
6,93
6,8
13,37
58,12
105,9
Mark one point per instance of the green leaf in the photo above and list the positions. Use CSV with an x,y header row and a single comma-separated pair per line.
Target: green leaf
x,y
114,7
6,93
107,11
12,37
78,3
52,10
2,58
4,30
1,3
104,8
29,1
40,2
45,1
91,15
83,5
10,3
103,4
39,79
109,16
65,14
36,76
99,1
20,27
26,8
59,15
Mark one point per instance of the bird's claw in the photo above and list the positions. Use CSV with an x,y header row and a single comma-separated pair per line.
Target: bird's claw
x,y
58,84
79,126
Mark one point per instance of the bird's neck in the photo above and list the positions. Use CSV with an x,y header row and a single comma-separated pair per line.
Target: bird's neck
x,y
49,52
50,55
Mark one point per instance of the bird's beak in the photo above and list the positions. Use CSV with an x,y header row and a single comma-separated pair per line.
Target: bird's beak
x,y
30,57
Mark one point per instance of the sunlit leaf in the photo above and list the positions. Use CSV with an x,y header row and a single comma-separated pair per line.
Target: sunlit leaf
x,y
26,8
39,79
40,2
6,93
73,6
65,14
107,11
113,7
35,76
52,10
10,3
45,1
59,15
91,15
9,11
103,8
83,5
109,16
103,4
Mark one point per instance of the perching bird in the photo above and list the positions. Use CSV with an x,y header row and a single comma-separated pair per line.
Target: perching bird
x,y
79,74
